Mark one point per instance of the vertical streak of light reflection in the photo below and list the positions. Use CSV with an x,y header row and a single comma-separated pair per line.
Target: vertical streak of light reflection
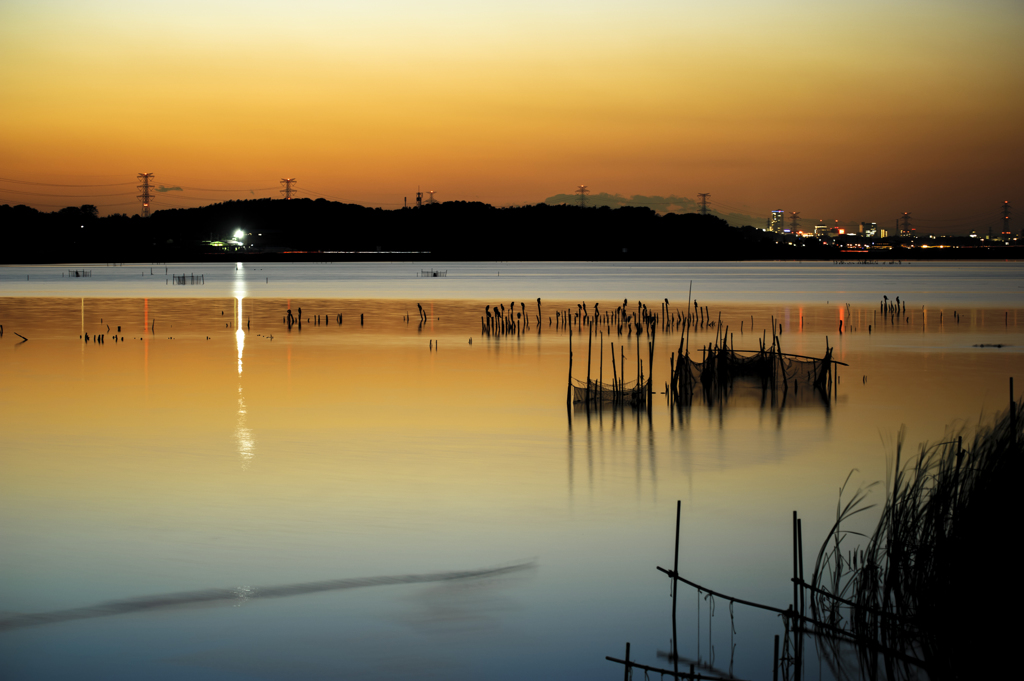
x,y
145,343
243,434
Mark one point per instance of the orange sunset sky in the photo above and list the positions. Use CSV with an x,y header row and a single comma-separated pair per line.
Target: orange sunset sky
x,y
841,110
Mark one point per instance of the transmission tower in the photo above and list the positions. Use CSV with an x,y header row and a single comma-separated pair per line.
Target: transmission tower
x,y
1006,221
419,198
582,192
905,227
144,196
431,198
288,188
703,203
794,217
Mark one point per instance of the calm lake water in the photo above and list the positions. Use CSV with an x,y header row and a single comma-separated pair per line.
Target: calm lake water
x,y
214,449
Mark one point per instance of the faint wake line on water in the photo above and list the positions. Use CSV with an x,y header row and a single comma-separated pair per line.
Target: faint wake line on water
x,y
239,594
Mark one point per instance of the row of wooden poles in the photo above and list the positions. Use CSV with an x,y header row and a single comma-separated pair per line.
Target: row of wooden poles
x,y
502,321
895,312
498,320
100,338
634,321
292,319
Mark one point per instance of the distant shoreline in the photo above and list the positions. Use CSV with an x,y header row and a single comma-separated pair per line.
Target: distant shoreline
x,y
879,257
302,230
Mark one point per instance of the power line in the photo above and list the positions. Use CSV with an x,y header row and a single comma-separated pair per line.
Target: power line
x,y
176,194
208,189
64,205
977,216
732,206
344,200
47,184
326,196
70,196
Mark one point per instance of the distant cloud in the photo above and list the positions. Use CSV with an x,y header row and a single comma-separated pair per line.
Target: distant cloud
x,y
660,204
162,188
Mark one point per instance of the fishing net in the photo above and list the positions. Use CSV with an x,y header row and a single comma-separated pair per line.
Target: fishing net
x,y
628,392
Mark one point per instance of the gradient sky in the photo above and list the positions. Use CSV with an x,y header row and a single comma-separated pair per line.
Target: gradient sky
x,y
850,111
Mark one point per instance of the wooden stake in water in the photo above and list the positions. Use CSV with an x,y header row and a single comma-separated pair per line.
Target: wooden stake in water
x,y
800,558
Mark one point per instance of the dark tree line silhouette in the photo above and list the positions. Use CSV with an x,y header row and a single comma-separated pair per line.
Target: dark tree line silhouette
x,y
454,230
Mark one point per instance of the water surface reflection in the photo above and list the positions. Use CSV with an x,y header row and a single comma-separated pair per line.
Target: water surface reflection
x,y
130,469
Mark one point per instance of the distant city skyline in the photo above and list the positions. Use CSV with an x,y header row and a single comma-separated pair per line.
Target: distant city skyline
x,y
855,112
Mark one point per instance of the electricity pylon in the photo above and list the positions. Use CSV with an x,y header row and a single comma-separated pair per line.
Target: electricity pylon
x,y
288,189
582,192
144,196
704,203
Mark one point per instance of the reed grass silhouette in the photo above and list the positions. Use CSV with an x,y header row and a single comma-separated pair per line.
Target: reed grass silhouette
x,y
931,590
